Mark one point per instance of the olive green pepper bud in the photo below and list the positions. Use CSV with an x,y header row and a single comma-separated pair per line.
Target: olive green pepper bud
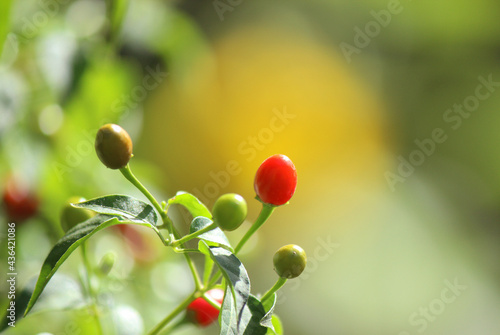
x,y
113,146
289,261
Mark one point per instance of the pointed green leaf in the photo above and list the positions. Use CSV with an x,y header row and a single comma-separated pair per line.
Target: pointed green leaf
x,y
215,235
129,208
64,247
269,305
251,317
191,203
209,267
228,314
244,322
241,313
69,242
278,328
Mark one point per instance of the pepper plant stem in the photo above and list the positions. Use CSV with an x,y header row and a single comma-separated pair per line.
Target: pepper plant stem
x,y
211,301
192,267
183,305
279,283
127,173
186,238
265,213
90,290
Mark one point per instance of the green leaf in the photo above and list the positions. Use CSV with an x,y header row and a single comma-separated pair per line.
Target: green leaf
x,y
215,235
209,266
251,317
241,312
68,243
228,314
129,208
237,279
269,305
191,203
278,328
244,322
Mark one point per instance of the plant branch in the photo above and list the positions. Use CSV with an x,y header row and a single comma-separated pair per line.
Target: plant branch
x,y
189,237
279,283
127,173
90,290
265,213
183,305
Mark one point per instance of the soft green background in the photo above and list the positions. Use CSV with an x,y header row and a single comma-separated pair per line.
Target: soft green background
x,y
271,77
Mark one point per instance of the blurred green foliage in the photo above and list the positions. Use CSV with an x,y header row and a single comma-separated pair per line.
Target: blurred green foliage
x,y
67,67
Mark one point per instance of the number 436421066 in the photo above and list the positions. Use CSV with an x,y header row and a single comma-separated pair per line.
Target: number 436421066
x,y
11,261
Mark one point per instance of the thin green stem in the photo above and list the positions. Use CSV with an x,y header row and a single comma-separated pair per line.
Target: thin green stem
x,y
165,243
185,251
189,237
215,278
116,13
86,263
194,272
196,276
265,213
209,266
90,290
174,326
183,305
127,173
211,301
279,283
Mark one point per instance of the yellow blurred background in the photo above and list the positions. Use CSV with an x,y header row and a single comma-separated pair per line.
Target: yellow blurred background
x,y
389,110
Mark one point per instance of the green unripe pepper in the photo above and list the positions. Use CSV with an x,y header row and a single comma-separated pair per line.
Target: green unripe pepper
x,y
289,261
229,211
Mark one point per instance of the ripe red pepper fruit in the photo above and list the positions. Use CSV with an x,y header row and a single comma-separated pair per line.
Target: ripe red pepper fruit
x,y
276,180
20,204
201,312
